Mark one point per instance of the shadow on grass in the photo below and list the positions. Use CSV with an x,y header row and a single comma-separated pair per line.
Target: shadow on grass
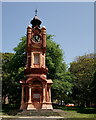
x,y
11,109
14,110
87,110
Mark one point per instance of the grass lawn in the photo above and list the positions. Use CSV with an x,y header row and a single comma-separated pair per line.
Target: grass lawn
x,y
77,112
74,114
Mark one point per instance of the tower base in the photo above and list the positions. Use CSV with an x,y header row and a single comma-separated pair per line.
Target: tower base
x,y
23,106
30,106
44,106
49,106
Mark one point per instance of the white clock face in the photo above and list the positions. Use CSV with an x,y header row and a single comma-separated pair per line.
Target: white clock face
x,y
36,38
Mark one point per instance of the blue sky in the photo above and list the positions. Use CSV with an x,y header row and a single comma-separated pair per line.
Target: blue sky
x,y
72,23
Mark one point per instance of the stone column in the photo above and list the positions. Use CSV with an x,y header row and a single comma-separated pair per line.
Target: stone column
x,y
29,101
29,35
44,93
50,94
22,99
44,36
49,105
30,104
29,32
44,97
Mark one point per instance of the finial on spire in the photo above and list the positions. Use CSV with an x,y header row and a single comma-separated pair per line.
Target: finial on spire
x,y
36,12
36,21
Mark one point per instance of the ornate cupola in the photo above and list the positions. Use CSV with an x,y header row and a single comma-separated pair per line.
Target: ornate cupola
x,y
36,89
36,21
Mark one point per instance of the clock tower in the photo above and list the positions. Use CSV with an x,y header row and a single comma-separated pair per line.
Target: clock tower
x,y
36,89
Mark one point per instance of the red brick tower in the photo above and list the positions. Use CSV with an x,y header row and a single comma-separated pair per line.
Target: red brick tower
x,y
36,89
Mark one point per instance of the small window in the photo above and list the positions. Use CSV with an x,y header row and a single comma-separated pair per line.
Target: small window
x,y
36,58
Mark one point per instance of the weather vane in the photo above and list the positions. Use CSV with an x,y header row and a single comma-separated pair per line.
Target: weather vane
x,y
36,12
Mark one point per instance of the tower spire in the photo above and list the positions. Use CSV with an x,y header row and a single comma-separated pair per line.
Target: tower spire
x,y
36,21
36,12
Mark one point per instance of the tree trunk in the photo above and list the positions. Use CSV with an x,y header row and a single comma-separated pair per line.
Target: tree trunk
x,y
61,102
3,99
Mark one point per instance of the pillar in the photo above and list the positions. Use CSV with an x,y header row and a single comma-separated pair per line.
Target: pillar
x,y
44,93
29,101
29,35
22,99
50,94
29,32
44,97
49,105
44,36
30,105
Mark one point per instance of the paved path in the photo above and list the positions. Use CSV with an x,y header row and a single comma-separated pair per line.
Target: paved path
x,y
47,118
33,118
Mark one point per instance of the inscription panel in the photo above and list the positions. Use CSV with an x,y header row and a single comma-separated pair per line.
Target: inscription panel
x,y
36,95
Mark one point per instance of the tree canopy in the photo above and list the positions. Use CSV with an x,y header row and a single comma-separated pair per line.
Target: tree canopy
x,y
76,85
84,70
14,64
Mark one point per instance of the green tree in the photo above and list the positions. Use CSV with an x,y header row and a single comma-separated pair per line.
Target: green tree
x,y
54,58
83,69
62,87
8,83
54,61
62,80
